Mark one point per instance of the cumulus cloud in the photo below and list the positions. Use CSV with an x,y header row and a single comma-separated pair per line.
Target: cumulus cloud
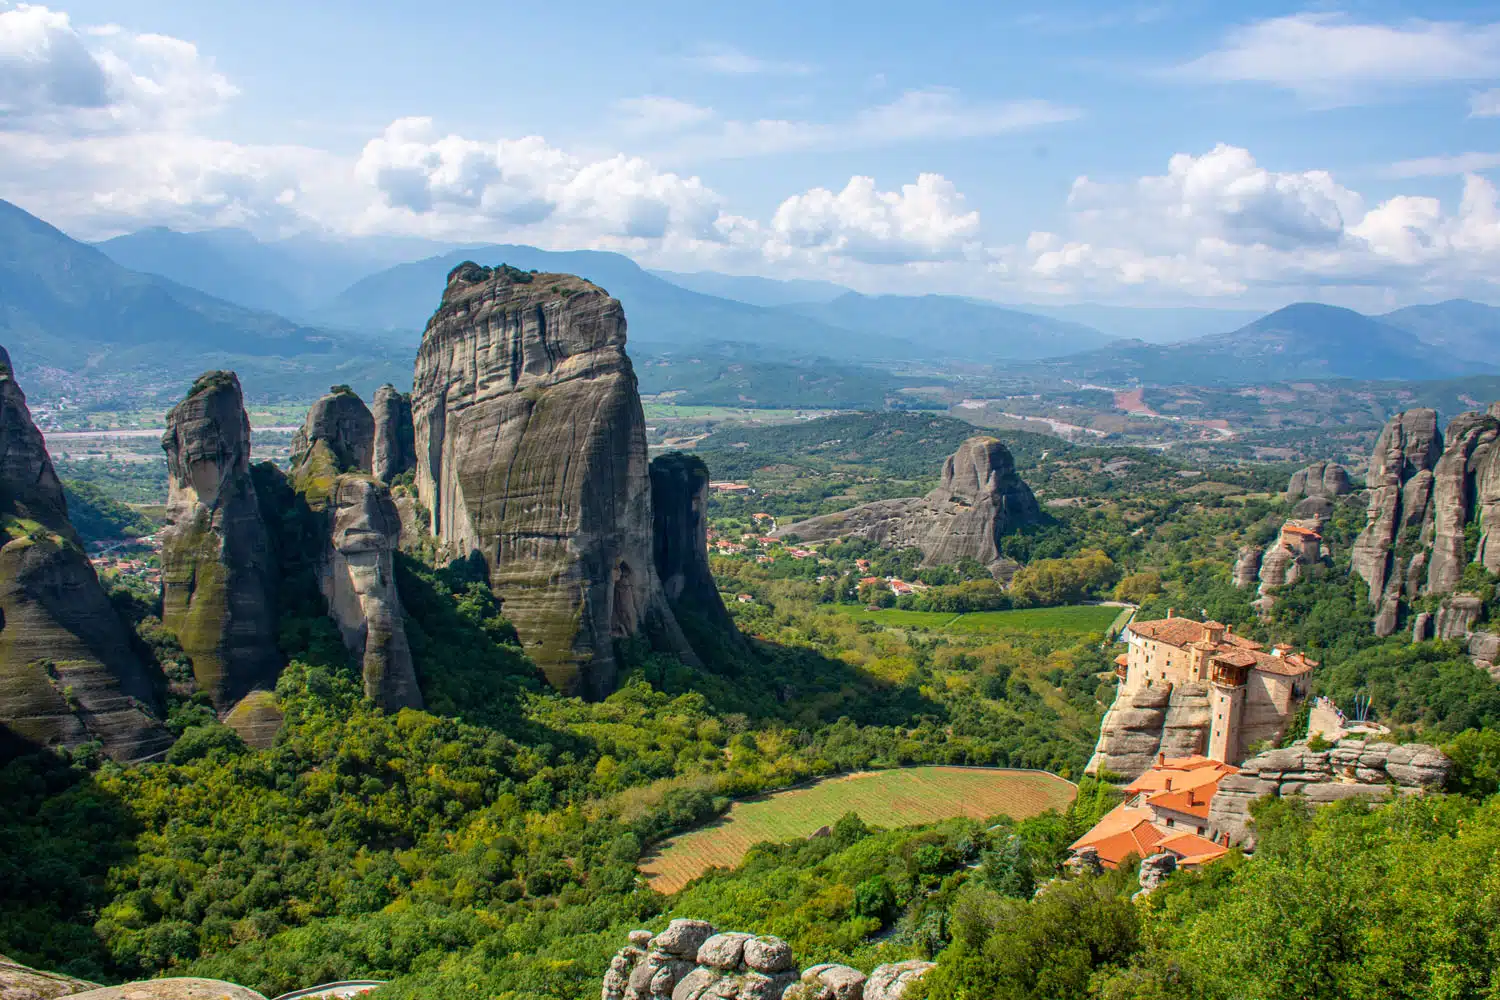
x,y
926,220
1330,58
448,184
1221,224
54,75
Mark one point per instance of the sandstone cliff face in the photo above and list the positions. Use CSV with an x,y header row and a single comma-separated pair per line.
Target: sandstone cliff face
x,y
218,567
1470,437
1350,769
395,436
356,569
1320,479
980,500
1247,565
679,505
531,450
1174,720
1400,481
67,671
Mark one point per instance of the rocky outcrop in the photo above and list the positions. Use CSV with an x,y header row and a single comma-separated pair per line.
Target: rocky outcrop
x,y
1154,873
1349,769
690,960
68,671
1170,719
531,450
395,437
1456,618
1320,479
1399,480
1469,438
1484,651
679,507
218,567
980,500
344,425
1247,565
362,529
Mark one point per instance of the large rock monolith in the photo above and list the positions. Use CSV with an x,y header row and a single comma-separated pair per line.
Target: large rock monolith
x,y
219,569
68,671
531,450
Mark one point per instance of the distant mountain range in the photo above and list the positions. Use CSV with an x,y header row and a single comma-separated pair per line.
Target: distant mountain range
x,y
161,300
1306,340
66,305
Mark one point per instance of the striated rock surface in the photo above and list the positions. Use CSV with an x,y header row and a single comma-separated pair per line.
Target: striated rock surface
x,y
679,506
395,449
1469,438
890,982
1247,565
1399,479
218,567
979,501
68,673
1457,616
1154,872
531,450
1320,479
1349,769
356,570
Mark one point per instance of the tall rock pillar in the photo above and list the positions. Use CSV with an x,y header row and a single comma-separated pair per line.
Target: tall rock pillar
x,y
218,565
331,460
531,449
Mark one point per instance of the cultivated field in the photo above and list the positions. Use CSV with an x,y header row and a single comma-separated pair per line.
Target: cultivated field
x,y
899,797
1081,618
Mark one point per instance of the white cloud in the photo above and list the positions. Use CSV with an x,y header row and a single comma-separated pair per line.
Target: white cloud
x,y
453,185
1485,104
730,61
54,76
927,220
1220,224
1445,166
1329,58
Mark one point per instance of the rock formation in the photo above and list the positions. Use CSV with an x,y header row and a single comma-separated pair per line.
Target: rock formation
x,y
1469,438
1349,769
1247,565
356,569
531,450
679,506
1484,651
20,982
690,960
1320,479
979,501
395,436
1298,548
1170,719
218,567
68,672
1399,480
1154,873
1456,617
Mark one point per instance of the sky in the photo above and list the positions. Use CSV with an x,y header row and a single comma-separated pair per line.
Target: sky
x,y
1155,153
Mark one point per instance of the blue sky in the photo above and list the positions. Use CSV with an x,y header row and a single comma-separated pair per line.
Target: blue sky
x,y
1152,153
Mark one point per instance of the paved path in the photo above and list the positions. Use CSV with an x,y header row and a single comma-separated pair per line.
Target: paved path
x,y
347,988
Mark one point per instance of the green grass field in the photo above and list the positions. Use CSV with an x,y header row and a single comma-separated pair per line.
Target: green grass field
x,y
895,798
1081,618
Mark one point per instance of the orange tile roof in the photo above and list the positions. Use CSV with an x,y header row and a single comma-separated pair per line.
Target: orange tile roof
x,y
1180,773
1139,839
1192,850
1176,631
1188,801
1123,659
1292,529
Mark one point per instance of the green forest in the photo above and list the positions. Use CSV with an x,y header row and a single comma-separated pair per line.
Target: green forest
x,y
488,846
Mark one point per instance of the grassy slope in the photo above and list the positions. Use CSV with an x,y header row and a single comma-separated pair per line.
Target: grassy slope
x,y
1081,618
881,798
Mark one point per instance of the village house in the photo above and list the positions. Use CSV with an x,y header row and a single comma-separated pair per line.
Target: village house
x,y
1164,810
1253,692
